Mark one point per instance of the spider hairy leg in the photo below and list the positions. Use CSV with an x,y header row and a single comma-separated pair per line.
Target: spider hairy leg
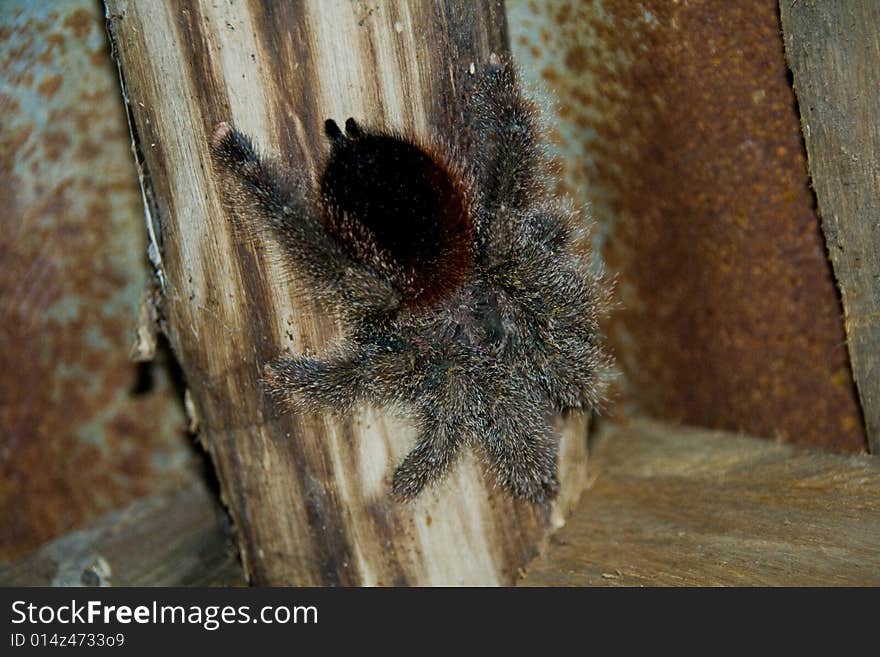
x,y
381,369
436,449
257,189
262,195
311,385
507,155
521,450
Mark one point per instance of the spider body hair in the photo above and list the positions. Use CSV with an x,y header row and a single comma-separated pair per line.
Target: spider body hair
x,y
465,300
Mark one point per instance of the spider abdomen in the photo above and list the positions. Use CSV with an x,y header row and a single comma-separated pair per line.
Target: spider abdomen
x,y
400,209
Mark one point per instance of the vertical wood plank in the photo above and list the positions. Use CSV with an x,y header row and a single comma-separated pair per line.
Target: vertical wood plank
x,y
308,495
833,49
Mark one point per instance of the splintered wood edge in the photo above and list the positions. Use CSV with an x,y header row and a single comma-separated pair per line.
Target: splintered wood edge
x,y
833,49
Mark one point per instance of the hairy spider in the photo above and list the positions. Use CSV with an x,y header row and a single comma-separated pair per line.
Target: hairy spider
x,y
459,279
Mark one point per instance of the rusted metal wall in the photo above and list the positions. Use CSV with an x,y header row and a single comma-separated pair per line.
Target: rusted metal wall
x,y
678,121
82,430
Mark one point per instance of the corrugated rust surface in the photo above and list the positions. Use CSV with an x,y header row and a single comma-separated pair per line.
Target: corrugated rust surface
x,y
82,430
677,120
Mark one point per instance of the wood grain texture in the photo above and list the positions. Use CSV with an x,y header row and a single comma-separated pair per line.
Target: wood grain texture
x,y
308,495
668,506
174,538
833,49
680,506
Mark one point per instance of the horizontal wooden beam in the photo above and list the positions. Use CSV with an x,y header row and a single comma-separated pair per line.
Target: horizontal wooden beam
x,y
675,506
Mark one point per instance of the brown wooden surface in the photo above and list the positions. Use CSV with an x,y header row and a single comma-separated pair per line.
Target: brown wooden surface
x,y
668,506
834,49
308,495
679,506
175,538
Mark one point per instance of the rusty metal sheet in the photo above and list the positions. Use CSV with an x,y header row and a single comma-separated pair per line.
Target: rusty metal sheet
x,y
82,430
677,120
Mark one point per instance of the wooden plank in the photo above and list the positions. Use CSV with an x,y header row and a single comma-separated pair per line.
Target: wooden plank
x,y
679,506
308,494
178,537
833,49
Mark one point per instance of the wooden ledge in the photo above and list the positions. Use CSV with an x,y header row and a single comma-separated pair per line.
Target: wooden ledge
x,y
174,538
682,506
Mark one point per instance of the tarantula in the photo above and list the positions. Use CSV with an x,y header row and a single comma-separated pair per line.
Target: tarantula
x,y
457,276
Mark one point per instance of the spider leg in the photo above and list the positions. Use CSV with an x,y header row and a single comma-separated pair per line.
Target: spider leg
x,y
310,385
379,367
436,449
576,370
557,346
521,448
448,407
256,186
574,374
505,144
556,303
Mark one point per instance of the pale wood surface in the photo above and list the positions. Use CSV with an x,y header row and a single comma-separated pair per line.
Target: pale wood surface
x,y
833,49
308,495
176,538
678,506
